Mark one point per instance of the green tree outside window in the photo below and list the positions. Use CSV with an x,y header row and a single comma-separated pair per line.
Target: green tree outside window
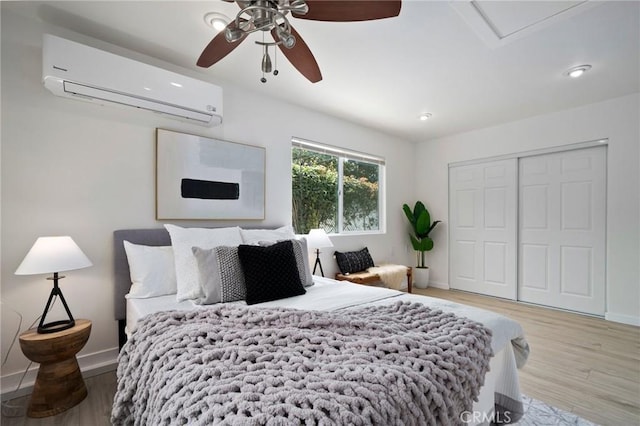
x,y
318,182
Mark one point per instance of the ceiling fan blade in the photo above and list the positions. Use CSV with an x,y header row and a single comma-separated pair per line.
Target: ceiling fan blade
x,y
300,57
350,10
218,48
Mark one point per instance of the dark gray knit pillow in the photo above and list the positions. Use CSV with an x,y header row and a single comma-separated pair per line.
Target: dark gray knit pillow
x,y
270,273
354,261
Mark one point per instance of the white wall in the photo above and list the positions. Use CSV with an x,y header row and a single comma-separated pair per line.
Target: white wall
x,y
616,119
78,169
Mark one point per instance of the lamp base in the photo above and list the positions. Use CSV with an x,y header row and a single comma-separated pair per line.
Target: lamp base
x,y
318,263
55,326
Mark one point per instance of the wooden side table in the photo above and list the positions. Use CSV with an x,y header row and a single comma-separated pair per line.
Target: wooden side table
x,y
59,385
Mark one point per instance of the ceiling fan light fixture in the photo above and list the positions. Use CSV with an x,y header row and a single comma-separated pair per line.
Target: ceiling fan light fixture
x,y
216,20
425,116
233,34
272,16
299,6
288,40
576,72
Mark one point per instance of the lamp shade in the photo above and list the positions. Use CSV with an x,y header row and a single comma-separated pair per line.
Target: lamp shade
x,y
53,254
318,239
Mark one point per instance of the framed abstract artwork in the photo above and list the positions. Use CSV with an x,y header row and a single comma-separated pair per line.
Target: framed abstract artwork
x,y
204,178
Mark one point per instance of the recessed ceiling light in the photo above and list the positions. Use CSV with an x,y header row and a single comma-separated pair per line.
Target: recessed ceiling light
x,y
425,116
216,20
576,72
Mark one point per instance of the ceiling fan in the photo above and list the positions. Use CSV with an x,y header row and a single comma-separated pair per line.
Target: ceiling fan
x,y
271,15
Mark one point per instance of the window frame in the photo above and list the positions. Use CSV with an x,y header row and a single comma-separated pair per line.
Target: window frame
x,y
342,155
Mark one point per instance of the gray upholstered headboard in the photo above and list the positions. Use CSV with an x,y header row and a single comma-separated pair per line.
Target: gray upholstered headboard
x,y
147,237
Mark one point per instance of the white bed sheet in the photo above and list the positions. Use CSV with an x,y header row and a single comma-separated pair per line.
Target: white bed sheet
x,y
328,294
324,295
139,308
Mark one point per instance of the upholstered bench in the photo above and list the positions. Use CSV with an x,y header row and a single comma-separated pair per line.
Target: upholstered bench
x,y
367,278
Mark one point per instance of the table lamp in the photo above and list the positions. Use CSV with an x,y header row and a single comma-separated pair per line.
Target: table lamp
x,y
53,255
318,239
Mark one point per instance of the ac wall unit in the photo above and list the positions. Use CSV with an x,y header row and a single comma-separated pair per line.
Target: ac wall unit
x,y
77,71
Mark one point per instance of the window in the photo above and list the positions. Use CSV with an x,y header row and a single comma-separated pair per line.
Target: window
x,y
336,190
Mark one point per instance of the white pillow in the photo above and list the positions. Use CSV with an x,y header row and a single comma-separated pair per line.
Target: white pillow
x,y
153,271
255,236
183,240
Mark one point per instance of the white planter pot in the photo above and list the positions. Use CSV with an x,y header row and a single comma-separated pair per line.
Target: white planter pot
x,y
421,277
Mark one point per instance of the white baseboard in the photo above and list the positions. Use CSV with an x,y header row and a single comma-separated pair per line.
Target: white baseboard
x,y
444,286
90,365
624,319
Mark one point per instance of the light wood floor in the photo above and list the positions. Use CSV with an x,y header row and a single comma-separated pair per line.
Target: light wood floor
x,y
581,364
95,410
584,365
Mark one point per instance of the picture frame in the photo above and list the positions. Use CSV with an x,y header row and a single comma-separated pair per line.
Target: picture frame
x,y
201,178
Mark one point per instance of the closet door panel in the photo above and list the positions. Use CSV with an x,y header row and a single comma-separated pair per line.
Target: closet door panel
x,y
482,220
562,213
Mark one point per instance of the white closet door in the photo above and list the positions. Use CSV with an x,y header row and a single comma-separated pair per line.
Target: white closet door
x,y
562,230
482,221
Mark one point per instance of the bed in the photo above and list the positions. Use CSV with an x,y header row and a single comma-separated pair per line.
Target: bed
x,y
340,353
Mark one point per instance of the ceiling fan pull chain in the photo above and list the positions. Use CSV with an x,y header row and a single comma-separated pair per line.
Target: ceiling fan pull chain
x,y
275,61
266,61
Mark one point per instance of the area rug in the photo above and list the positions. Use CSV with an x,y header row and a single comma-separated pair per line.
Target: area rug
x,y
538,413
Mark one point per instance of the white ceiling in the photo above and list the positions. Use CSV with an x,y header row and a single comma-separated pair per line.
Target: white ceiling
x,y
470,64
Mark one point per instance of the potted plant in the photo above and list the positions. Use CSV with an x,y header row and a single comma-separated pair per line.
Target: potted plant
x,y
421,226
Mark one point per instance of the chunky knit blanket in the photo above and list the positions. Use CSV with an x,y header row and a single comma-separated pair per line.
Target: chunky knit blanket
x,y
400,364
